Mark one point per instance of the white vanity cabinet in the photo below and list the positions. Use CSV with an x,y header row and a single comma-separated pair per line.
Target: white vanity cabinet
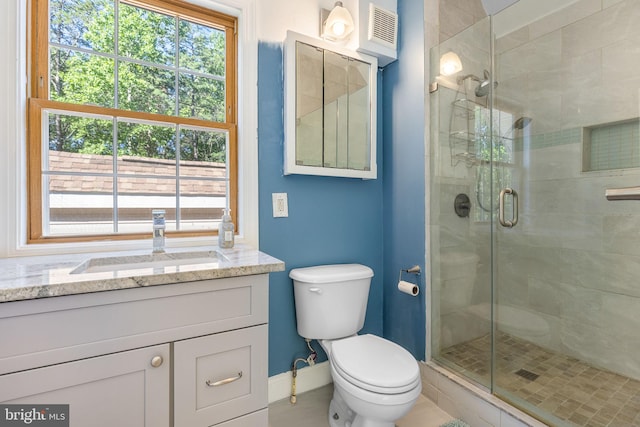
x,y
184,355
105,391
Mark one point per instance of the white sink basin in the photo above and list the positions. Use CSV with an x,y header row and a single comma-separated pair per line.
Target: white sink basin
x,y
154,261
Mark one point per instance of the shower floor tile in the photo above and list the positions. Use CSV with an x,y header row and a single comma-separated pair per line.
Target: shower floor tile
x,y
568,388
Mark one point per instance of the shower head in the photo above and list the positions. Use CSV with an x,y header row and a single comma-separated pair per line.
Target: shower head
x,y
484,87
522,123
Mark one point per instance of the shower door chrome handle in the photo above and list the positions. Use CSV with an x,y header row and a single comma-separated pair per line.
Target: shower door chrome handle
x,y
514,217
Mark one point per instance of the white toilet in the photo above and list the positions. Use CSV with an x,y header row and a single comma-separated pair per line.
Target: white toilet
x,y
376,382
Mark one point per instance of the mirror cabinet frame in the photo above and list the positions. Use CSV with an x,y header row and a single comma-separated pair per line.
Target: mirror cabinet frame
x,y
291,166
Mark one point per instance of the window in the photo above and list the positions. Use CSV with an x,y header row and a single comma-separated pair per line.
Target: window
x,y
494,152
132,108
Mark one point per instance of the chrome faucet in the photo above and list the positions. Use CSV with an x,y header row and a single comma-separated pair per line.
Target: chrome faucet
x,y
158,230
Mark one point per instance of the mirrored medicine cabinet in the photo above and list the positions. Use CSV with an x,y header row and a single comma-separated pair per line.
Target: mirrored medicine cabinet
x,y
330,109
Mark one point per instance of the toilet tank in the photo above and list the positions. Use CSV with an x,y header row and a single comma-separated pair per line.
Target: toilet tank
x,y
331,300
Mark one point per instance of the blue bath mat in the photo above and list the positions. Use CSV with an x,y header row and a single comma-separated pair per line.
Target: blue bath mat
x,y
455,423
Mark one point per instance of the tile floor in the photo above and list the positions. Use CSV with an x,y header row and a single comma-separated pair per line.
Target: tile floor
x,y
568,388
311,410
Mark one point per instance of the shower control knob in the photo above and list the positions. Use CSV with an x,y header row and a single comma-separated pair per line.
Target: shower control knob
x,y
462,205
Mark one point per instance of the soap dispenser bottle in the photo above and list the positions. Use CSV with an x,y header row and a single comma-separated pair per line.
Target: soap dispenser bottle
x,y
226,231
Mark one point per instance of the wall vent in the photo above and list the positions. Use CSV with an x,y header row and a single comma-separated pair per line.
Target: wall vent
x,y
383,26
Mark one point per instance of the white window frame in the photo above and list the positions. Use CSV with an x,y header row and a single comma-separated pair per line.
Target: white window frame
x,y
13,84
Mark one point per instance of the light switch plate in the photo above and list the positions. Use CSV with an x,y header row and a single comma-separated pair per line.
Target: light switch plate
x,y
280,205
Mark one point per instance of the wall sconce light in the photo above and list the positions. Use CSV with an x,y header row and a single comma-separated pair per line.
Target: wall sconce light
x,y
337,24
450,64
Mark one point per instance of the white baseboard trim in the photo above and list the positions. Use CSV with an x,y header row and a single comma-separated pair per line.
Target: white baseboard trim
x,y
309,378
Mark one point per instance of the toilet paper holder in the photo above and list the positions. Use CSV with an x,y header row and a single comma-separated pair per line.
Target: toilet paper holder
x,y
413,270
408,287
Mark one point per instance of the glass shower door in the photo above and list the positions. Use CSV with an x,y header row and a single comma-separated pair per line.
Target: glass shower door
x,y
460,203
535,272
566,295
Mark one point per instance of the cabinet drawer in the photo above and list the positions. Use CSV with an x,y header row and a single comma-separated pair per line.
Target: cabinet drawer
x,y
220,377
55,330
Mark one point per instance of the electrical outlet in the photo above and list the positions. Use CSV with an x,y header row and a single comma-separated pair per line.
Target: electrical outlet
x,y
280,205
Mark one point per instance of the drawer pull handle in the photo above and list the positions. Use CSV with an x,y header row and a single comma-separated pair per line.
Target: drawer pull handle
x,y
224,381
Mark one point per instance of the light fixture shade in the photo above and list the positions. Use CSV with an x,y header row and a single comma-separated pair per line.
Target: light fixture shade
x,y
339,23
450,64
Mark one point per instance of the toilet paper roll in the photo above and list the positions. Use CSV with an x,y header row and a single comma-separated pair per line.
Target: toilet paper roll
x,y
408,288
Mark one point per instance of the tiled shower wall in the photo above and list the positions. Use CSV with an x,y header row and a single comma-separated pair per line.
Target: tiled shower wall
x,y
574,259
457,15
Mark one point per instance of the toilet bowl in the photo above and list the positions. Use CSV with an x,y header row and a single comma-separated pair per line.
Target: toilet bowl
x,y
375,390
376,381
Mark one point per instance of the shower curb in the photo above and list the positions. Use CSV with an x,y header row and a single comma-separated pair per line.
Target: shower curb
x,y
465,400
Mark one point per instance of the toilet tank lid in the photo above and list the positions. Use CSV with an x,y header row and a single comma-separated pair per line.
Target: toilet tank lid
x,y
331,273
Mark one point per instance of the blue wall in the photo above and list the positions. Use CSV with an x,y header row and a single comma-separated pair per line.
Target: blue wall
x,y
331,220
379,223
404,180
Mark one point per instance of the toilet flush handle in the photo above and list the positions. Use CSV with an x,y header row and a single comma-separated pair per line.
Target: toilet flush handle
x,y
315,290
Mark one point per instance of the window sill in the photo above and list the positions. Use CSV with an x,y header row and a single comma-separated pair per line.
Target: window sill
x,y
115,246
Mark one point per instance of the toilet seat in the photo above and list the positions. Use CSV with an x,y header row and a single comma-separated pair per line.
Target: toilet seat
x,y
375,364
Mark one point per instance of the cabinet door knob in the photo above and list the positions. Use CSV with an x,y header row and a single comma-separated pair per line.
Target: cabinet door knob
x,y
156,361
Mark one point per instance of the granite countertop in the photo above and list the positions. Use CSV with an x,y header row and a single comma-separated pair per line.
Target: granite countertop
x,y
26,278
